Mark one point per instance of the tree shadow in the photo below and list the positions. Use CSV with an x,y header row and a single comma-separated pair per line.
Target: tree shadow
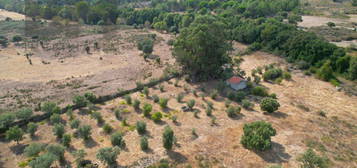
x,y
276,154
18,149
177,157
278,114
90,143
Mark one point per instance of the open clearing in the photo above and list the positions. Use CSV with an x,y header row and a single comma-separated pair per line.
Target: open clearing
x,y
297,122
13,15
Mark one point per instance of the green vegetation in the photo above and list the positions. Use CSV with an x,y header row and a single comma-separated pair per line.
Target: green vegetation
x,y
55,119
141,127
34,149
6,119
156,117
107,128
257,135
108,155
117,139
85,132
50,107
74,123
269,104
168,138
97,116
32,128
147,108
144,144
58,130
191,103
80,101
136,104
163,102
24,114
310,159
14,134
66,140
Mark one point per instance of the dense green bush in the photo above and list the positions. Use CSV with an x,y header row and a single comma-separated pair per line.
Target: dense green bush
x,y
247,104
163,102
117,113
168,138
50,107
80,101
141,127
257,135
144,144
44,160
156,117
14,134
24,113
155,98
85,132
127,99
6,119
272,74
32,128
136,104
74,123
191,103
34,149
55,119
233,111
91,97
146,91
108,155
117,139
269,105
147,108
310,159
66,140
97,116
260,91
107,128
58,130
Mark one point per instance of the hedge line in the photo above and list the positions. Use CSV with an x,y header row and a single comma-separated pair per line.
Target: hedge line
x,y
100,99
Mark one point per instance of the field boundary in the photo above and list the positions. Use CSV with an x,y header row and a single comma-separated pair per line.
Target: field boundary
x,y
99,100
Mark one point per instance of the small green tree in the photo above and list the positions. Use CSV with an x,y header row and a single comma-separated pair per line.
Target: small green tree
x,y
34,149
91,97
85,132
247,104
310,159
75,124
141,127
179,97
14,134
43,161
147,108
58,130
117,139
269,105
156,117
56,150
259,91
6,119
144,144
168,138
208,111
233,111
117,113
146,91
107,128
214,94
108,155
127,99
79,156
98,116
163,102
155,98
80,101
325,72
331,24
50,107
257,135
191,103
24,114
66,140
32,128
55,118
136,104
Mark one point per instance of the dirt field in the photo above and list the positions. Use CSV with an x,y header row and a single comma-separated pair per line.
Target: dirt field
x,y
297,122
61,68
13,15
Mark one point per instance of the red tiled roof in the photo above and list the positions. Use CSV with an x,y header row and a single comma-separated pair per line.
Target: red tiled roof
x,y
235,80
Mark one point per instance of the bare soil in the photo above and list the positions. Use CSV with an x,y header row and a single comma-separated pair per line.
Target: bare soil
x,y
13,15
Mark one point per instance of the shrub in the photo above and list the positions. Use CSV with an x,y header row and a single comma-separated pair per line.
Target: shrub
x,y
269,105
257,135
85,132
331,24
239,96
141,127
16,38
32,128
156,117
146,91
127,99
325,73
163,102
259,91
214,94
34,149
156,98
227,103
66,140
58,130
98,116
24,114
272,74
147,108
168,138
191,103
144,144
310,159
117,113
273,95
174,118
56,150
6,119
162,88
286,75
91,97
107,128
208,111
179,97
44,160
14,134
80,101
75,124
69,113
136,104
233,111
117,139
50,107
108,155
257,79
55,119
247,104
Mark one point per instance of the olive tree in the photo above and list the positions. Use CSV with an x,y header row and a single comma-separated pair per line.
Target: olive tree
x,y
257,135
108,155
269,105
168,138
14,134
